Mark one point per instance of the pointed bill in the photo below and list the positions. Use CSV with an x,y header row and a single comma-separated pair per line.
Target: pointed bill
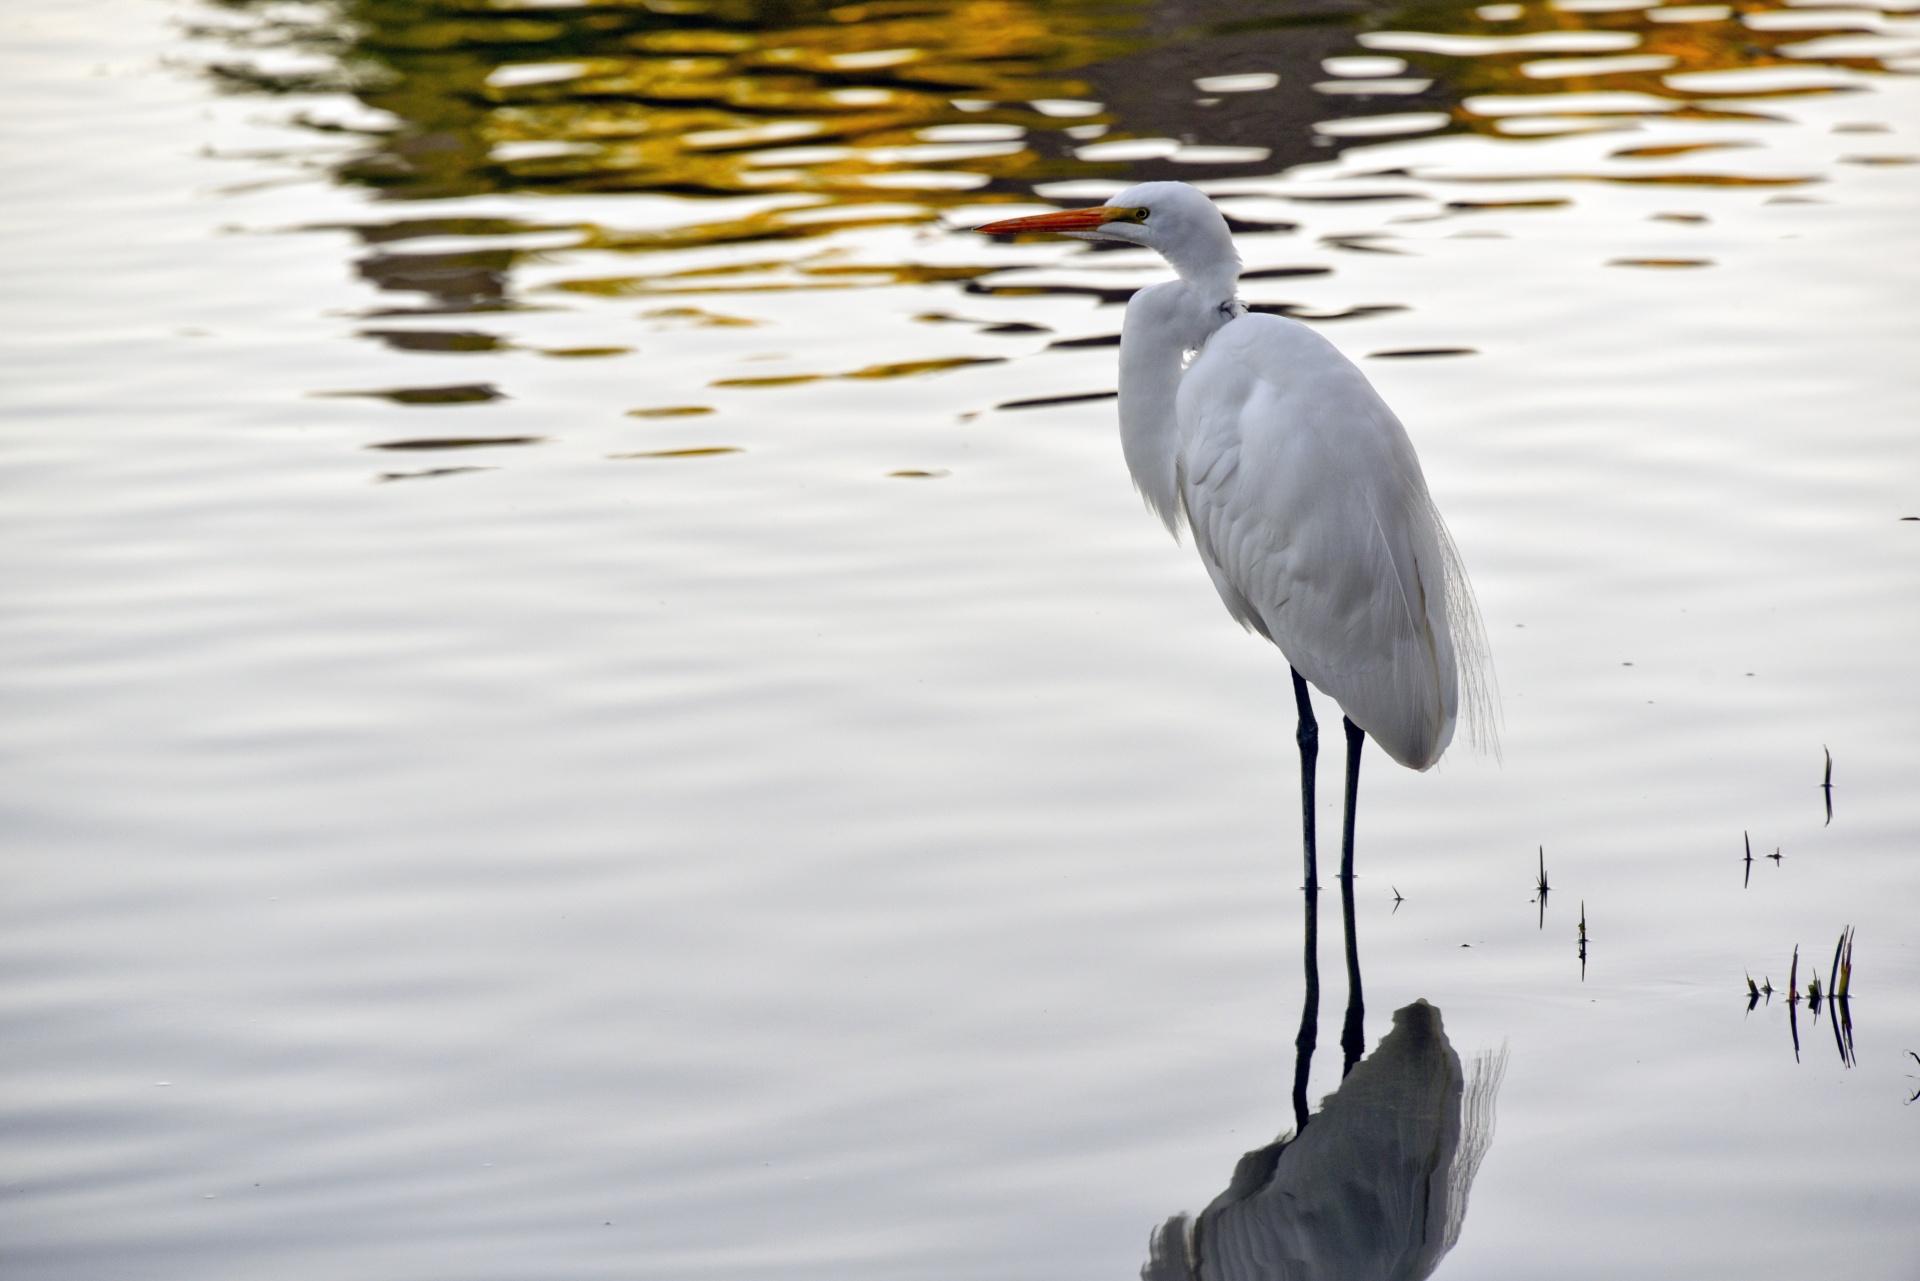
x,y
1065,220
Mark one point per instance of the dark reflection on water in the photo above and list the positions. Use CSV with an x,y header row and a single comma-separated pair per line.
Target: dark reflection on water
x,y
429,474
455,442
1374,1187
458,394
444,340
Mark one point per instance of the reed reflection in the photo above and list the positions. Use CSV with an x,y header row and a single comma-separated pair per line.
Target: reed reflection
x,y
1374,1188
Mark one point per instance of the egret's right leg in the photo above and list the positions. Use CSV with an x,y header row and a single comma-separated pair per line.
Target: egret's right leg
x,y
1308,737
1353,1039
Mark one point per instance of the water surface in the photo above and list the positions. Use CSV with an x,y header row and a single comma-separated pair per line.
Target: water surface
x,y
554,729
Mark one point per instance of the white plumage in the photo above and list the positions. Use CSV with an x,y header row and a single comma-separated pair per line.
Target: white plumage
x,y
1303,493
1309,511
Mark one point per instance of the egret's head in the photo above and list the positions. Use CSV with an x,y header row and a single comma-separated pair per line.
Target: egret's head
x,y
1171,218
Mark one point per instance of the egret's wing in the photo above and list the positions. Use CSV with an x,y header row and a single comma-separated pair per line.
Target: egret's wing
x,y
1310,512
1209,479
1479,690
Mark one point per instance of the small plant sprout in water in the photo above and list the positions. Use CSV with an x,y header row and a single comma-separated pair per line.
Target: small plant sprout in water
x,y
1793,1002
1839,1008
1840,977
1826,785
1748,879
1583,940
1541,888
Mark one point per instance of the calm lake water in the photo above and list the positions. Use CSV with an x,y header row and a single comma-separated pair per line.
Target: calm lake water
x,y
563,721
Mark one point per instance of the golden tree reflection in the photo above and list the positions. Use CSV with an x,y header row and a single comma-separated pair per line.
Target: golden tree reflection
x,y
803,119
692,97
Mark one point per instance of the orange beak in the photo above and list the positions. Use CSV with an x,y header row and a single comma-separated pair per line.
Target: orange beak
x,y
1065,220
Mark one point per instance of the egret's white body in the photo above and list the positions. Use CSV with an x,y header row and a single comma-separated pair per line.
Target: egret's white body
x,y
1309,510
1303,493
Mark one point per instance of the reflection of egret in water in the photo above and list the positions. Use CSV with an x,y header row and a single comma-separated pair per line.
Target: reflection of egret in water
x,y
1375,1189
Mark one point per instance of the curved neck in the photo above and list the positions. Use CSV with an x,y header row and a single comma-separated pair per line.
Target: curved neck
x,y
1164,325
1209,263
1150,370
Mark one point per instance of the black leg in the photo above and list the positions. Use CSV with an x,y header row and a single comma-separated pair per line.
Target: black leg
x,y
1308,737
1353,1035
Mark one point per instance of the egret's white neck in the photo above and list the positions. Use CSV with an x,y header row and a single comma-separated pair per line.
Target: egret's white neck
x,y
1208,262
1164,324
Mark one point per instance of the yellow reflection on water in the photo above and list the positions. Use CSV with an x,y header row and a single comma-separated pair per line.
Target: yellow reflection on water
x,y
1618,57
726,97
796,120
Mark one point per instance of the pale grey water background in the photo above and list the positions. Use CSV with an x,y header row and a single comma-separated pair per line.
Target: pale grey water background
x,y
758,865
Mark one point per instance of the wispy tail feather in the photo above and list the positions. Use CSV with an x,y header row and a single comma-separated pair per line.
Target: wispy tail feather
x,y
1473,660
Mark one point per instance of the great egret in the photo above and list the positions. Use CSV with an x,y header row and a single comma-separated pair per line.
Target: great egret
x,y
1308,508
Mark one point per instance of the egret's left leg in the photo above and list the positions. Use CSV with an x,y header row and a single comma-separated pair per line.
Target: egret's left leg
x,y
1308,737
1352,1034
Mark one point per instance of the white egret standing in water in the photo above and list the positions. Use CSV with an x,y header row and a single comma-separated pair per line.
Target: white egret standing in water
x,y
1307,506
